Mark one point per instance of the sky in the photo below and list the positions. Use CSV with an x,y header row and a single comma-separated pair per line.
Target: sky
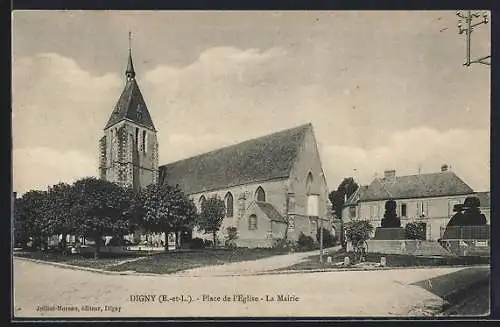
x,y
383,90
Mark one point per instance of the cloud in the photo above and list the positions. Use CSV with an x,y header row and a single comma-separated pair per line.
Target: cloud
x,y
58,104
466,151
226,96
39,167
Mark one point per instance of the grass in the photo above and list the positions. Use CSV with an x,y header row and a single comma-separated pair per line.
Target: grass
x,y
84,259
392,260
170,262
157,263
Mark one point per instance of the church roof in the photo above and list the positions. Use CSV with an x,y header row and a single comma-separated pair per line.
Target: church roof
x,y
414,186
260,159
270,211
131,104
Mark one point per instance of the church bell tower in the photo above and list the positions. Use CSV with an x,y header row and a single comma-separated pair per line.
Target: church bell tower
x,y
129,147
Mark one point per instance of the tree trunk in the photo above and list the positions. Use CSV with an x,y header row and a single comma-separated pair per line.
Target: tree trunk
x,y
178,240
166,240
97,247
214,233
63,244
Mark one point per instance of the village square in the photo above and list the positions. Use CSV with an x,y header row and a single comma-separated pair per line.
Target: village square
x,y
279,214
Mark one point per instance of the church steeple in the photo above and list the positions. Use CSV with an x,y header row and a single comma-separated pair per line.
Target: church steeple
x,y
129,147
130,72
131,105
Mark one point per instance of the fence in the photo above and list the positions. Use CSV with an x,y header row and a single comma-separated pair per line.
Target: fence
x,y
466,240
465,232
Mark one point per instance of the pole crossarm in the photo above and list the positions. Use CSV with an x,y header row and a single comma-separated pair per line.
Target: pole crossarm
x,y
482,61
468,17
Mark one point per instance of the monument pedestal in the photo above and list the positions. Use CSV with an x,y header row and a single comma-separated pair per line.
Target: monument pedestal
x,y
394,233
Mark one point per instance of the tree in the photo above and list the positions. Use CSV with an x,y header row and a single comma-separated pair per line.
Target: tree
x,y
231,236
328,239
101,208
468,214
390,220
167,209
337,198
358,231
31,213
415,231
21,235
212,213
60,205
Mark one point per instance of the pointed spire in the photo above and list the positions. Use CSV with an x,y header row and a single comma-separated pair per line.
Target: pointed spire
x,y
130,72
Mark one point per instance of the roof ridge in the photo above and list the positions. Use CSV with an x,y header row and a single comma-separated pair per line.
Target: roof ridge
x,y
240,143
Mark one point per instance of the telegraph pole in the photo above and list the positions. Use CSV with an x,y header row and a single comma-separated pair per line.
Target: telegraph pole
x,y
469,16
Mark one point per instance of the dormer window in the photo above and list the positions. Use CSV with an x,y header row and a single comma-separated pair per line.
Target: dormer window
x,y
139,111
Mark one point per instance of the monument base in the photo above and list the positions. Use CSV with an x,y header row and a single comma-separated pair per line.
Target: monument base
x,y
397,233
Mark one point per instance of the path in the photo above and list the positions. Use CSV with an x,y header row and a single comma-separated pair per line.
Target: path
x,y
254,266
329,294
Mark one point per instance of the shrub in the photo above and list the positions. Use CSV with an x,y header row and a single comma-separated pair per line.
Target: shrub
x,y
231,236
208,243
197,243
284,244
415,231
358,230
116,241
305,243
390,220
328,239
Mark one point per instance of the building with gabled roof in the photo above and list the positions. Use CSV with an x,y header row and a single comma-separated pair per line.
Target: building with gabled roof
x,y
427,198
273,186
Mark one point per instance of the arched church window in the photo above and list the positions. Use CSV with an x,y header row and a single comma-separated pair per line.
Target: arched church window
x,y
137,137
309,182
260,195
202,200
229,204
252,222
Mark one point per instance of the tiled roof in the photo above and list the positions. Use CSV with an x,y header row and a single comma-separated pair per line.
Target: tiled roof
x,y
131,104
261,159
270,211
484,198
354,198
415,186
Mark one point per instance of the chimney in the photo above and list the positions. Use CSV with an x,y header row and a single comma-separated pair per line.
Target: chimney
x,y
389,174
444,168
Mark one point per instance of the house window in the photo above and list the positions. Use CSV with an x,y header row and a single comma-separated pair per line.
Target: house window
x,y
291,223
260,195
421,212
312,205
352,212
372,211
144,141
403,209
309,182
229,204
252,222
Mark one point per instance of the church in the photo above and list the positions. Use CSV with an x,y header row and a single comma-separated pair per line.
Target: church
x,y
273,186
